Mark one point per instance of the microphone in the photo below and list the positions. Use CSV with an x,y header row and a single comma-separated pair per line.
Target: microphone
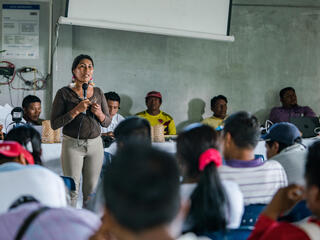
x,y
85,88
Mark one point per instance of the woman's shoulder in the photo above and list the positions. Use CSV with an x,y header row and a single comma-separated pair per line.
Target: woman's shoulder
x,y
64,92
64,89
97,90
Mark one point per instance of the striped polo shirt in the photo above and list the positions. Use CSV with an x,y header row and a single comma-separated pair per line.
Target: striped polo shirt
x,y
258,180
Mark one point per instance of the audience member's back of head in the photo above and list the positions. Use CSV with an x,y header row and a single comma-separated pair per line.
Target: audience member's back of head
x,y
243,128
29,138
142,188
208,200
192,142
132,130
313,165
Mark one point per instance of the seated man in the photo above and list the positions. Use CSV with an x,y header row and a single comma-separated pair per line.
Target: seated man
x,y
283,144
155,116
20,179
141,192
219,109
290,107
257,180
32,109
267,226
113,101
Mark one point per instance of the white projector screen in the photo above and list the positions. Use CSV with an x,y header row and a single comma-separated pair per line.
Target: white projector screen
x,y
207,19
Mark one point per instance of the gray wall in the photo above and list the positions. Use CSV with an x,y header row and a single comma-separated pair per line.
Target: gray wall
x,y
275,47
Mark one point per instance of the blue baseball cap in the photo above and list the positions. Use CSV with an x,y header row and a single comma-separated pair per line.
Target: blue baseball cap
x,y
282,132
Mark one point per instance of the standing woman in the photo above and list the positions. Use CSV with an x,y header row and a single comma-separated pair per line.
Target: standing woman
x,y
81,117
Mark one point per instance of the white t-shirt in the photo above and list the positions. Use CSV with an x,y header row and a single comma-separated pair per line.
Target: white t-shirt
x,y
234,195
41,183
116,119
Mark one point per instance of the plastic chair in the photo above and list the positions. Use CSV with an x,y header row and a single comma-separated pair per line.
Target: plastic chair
x,y
69,182
241,233
299,212
251,214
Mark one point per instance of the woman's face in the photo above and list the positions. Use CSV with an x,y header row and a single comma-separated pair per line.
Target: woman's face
x,y
84,71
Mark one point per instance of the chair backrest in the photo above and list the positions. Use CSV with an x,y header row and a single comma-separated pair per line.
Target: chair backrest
x,y
299,212
241,233
251,214
69,182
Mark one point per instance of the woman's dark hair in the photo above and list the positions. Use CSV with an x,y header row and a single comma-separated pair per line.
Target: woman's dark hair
x,y
78,59
29,138
141,187
208,201
133,129
313,165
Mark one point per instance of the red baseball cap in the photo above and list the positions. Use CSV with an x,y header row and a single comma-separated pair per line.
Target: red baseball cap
x,y
154,94
14,149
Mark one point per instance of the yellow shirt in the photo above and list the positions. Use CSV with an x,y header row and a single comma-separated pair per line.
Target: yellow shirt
x,y
213,121
162,118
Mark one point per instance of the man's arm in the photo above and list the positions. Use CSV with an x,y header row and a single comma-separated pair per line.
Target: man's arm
x,y
308,112
172,128
274,115
267,226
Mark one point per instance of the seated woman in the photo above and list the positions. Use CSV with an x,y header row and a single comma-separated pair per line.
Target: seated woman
x,y
215,204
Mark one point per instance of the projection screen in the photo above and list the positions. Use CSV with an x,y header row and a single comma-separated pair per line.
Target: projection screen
x,y
208,19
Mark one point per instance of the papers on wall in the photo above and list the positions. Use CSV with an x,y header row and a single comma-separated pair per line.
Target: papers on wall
x,y
20,31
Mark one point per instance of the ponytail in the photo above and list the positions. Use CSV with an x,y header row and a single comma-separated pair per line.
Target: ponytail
x,y
208,203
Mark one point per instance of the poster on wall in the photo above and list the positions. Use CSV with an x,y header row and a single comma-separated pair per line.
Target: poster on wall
x,y
20,31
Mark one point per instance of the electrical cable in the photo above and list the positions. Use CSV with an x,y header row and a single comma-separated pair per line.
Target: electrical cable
x,y
8,72
37,83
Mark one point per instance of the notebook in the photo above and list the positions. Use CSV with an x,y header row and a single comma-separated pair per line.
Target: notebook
x,y
306,125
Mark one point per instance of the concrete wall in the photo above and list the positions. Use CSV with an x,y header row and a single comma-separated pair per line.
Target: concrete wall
x,y
275,47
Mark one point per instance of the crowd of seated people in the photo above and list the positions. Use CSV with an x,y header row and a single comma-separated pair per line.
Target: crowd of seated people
x,y
202,192
31,105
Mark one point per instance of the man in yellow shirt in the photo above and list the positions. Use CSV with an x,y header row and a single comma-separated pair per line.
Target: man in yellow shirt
x,y
219,109
155,116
